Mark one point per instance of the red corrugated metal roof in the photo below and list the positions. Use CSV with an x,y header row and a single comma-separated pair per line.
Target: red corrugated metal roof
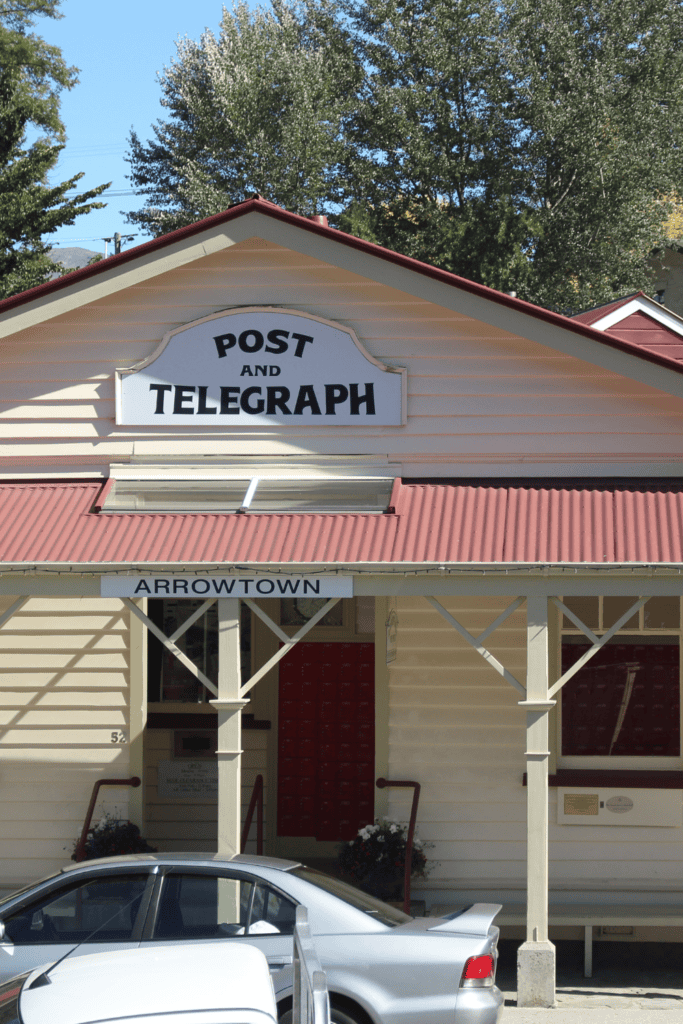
x,y
445,522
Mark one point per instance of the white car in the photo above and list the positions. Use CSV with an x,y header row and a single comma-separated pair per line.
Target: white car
x,y
169,985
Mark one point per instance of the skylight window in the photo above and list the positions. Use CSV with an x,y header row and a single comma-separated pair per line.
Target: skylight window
x,y
257,494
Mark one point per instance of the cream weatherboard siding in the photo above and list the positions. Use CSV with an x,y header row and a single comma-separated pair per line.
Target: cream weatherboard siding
x,y
492,391
456,728
175,824
64,685
478,396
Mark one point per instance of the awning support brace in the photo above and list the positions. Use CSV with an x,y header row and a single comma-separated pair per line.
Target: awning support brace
x,y
169,643
598,642
6,616
477,642
287,641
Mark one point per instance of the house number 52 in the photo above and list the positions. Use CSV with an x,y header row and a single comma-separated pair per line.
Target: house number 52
x,y
118,737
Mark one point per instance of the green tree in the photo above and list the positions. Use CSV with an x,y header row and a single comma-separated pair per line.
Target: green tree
x,y
257,109
532,145
526,144
32,75
433,140
599,98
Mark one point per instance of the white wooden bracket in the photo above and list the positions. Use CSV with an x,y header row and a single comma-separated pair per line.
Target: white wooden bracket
x,y
287,641
477,642
7,615
598,642
169,642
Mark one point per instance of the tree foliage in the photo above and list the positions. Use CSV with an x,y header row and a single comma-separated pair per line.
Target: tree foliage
x,y
256,109
600,98
32,75
532,146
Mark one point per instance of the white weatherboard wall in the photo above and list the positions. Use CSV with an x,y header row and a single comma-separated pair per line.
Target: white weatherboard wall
x,y
64,684
456,728
179,824
479,397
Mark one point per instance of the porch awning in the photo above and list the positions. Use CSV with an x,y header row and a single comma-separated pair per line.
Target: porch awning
x,y
435,523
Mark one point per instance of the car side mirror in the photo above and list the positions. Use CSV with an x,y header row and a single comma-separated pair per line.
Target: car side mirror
x,y
4,937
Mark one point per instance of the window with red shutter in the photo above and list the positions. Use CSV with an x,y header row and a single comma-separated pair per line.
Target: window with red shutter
x,y
625,702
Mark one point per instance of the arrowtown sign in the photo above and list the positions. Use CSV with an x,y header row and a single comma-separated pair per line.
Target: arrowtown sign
x,y
261,365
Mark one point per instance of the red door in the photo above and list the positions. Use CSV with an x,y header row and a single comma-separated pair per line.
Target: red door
x,y
326,740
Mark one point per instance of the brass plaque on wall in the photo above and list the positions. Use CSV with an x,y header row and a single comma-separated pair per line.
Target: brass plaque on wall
x,y
581,803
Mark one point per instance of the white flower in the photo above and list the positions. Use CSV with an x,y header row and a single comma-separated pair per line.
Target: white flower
x,y
380,839
394,828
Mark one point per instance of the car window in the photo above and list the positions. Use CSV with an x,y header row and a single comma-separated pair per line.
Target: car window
x,y
360,900
220,906
106,906
272,913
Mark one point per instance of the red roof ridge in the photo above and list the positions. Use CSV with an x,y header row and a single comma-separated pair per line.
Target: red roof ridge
x,y
264,206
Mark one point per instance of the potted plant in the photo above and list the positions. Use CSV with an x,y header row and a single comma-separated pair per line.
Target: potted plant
x,y
375,860
111,837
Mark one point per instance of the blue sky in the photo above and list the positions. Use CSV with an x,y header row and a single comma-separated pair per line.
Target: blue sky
x,y
119,48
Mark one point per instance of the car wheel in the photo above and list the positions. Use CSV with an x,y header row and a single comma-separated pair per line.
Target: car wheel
x,y
337,1016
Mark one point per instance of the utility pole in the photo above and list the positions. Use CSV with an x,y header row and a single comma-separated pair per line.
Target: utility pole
x,y
116,238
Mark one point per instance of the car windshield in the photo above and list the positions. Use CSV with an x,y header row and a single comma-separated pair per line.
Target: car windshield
x,y
9,999
360,900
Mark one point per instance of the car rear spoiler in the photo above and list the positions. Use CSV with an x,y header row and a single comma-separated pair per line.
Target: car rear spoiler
x,y
474,920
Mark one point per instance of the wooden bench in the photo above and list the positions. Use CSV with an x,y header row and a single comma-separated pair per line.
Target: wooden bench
x,y
587,916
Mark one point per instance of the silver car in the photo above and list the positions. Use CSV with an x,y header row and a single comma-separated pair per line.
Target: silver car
x,y
382,966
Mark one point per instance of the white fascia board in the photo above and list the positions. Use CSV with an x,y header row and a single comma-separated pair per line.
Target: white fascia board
x,y
663,316
516,323
135,272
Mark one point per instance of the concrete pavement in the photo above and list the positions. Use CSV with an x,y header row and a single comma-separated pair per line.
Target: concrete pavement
x,y
632,983
596,1015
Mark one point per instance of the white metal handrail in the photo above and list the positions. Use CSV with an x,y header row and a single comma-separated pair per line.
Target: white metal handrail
x,y
311,998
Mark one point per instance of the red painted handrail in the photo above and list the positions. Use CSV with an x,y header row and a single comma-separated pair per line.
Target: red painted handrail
x,y
80,847
256,801
415,786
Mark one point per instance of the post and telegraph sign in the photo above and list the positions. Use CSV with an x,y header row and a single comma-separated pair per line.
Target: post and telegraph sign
x,y
258,366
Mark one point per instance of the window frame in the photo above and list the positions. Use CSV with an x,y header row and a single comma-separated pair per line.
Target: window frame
x,y
621,762
211,872
63,885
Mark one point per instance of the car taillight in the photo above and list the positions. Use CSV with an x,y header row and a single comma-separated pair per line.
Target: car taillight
x,y
478,971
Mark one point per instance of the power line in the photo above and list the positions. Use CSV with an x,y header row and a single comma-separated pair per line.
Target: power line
x,y
113,194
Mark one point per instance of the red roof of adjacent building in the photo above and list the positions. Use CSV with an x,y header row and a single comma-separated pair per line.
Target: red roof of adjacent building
x,y
435,523
639,328
592,316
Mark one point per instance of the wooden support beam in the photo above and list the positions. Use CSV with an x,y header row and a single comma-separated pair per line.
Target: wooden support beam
x,y
229,706
170,646
475,642
197,614
7,615
287,643
598,642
